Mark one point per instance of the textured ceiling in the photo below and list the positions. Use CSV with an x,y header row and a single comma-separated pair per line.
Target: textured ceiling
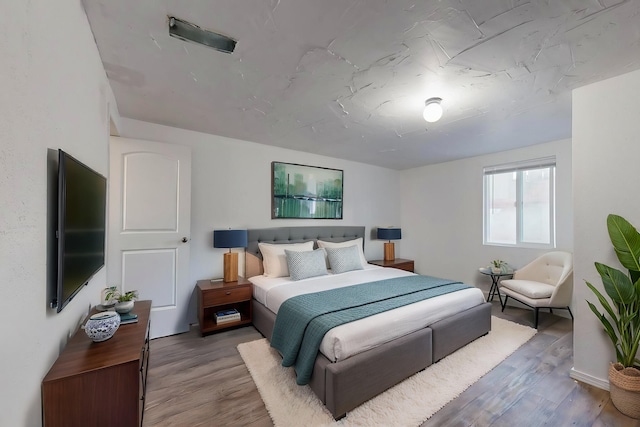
x,y
349,79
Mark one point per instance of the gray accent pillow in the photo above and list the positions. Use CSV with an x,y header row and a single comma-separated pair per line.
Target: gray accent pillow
x,y
346,259
306,264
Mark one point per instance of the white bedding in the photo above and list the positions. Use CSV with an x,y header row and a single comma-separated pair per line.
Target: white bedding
x,y
352,338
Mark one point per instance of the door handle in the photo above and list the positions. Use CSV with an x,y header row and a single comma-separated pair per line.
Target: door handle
x,y
185,240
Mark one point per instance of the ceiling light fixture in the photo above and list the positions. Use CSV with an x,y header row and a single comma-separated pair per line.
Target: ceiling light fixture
x,y
189,32
432,110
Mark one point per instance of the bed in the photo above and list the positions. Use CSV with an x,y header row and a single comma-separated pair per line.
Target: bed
x,y
344,375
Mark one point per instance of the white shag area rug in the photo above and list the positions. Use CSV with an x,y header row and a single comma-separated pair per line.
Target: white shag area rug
x,y
407,404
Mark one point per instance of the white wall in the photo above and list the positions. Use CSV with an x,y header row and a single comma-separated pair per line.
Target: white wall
x,y
442,214
606,150
54,95
231,187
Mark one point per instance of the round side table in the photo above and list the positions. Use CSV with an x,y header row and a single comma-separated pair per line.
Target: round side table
x,y
495,278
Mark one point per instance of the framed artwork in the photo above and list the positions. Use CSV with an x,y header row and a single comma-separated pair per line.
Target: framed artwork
x,y
299,191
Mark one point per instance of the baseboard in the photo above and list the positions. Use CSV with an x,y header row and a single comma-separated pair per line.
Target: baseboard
x,y
588,379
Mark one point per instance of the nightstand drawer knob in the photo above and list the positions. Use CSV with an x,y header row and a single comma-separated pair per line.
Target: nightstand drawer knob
x,y
228,292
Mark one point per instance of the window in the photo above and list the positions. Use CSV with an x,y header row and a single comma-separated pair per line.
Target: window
x,y
519,208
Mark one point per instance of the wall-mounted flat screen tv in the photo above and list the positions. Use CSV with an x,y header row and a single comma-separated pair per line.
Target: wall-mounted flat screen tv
x,y
82,200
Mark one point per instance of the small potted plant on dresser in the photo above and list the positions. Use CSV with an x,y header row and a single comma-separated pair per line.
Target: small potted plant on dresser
x,y
622,324
124,301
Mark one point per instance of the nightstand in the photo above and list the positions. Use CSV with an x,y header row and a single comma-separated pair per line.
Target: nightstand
x,y
216,295
400,263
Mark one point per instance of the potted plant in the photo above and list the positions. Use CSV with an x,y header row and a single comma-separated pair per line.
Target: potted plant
x,y
498,266
622,319
124,301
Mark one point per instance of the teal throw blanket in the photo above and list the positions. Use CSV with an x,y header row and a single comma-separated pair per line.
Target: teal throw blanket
x,y
302,321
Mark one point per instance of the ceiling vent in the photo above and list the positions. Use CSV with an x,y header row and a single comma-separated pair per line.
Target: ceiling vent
x,y
189,32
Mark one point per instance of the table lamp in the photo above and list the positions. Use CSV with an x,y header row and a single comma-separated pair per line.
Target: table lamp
x,y
230,239
389,233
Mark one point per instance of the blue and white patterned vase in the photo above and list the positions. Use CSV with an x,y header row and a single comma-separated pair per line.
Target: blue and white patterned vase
x,y
101,326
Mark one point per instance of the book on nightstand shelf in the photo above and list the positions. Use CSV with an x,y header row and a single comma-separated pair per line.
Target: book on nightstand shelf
x,y
128,318
224,316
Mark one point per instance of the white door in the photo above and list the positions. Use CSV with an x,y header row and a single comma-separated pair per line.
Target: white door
x,y
149,225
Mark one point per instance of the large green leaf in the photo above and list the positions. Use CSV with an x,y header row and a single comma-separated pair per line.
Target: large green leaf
x,y
626,242
605,322
603,301
617,284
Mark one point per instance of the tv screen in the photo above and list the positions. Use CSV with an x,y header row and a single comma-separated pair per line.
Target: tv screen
x,y
82,195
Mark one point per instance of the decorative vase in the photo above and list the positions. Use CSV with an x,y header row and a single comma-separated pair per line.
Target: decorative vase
x,y
496,270
624,388
101,326
124,307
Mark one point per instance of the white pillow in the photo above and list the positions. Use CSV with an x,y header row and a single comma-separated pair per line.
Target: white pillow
x,y
357,242
274,260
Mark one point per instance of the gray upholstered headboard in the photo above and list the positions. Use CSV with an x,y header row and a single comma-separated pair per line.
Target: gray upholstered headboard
x,y
253,257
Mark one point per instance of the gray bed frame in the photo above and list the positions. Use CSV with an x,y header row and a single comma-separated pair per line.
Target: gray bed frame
x,y
344,385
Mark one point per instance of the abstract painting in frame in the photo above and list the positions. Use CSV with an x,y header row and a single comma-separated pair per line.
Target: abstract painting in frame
x,y
309,192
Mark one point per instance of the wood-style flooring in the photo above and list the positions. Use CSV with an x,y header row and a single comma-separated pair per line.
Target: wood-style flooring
x,y
196,381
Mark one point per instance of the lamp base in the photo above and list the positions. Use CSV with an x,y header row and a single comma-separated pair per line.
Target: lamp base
x,y
230,267
389,251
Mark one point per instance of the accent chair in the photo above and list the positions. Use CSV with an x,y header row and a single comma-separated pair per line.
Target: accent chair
x,y
546,282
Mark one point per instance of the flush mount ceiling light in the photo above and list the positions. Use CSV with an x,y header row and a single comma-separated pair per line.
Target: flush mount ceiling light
x,y
189,32
432,110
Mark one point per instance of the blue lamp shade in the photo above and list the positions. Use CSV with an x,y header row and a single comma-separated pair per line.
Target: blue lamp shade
x,y
389,233
230,238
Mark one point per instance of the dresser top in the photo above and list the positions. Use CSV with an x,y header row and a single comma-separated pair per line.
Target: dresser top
x,y
81,354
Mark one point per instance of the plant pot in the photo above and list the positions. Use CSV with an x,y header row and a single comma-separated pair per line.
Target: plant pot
x,y
624,387
124,307
496,270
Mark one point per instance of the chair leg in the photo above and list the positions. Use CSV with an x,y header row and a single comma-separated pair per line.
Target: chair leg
x,y
535,317
505,302
550,310
570,313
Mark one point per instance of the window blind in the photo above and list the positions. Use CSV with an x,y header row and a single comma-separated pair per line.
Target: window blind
x,y
543,162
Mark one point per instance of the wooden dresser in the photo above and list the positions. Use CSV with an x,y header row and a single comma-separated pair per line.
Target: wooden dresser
x,y
100,384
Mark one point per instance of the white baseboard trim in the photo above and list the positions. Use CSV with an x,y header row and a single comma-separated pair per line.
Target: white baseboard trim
x,y
588,379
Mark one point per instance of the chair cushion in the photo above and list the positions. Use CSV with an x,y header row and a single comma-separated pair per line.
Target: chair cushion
x,y
529,288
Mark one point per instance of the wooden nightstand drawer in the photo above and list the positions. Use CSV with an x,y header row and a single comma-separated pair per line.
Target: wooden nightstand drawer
x,y
226,296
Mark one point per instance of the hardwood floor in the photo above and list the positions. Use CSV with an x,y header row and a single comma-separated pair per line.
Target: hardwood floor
x,y
196,381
